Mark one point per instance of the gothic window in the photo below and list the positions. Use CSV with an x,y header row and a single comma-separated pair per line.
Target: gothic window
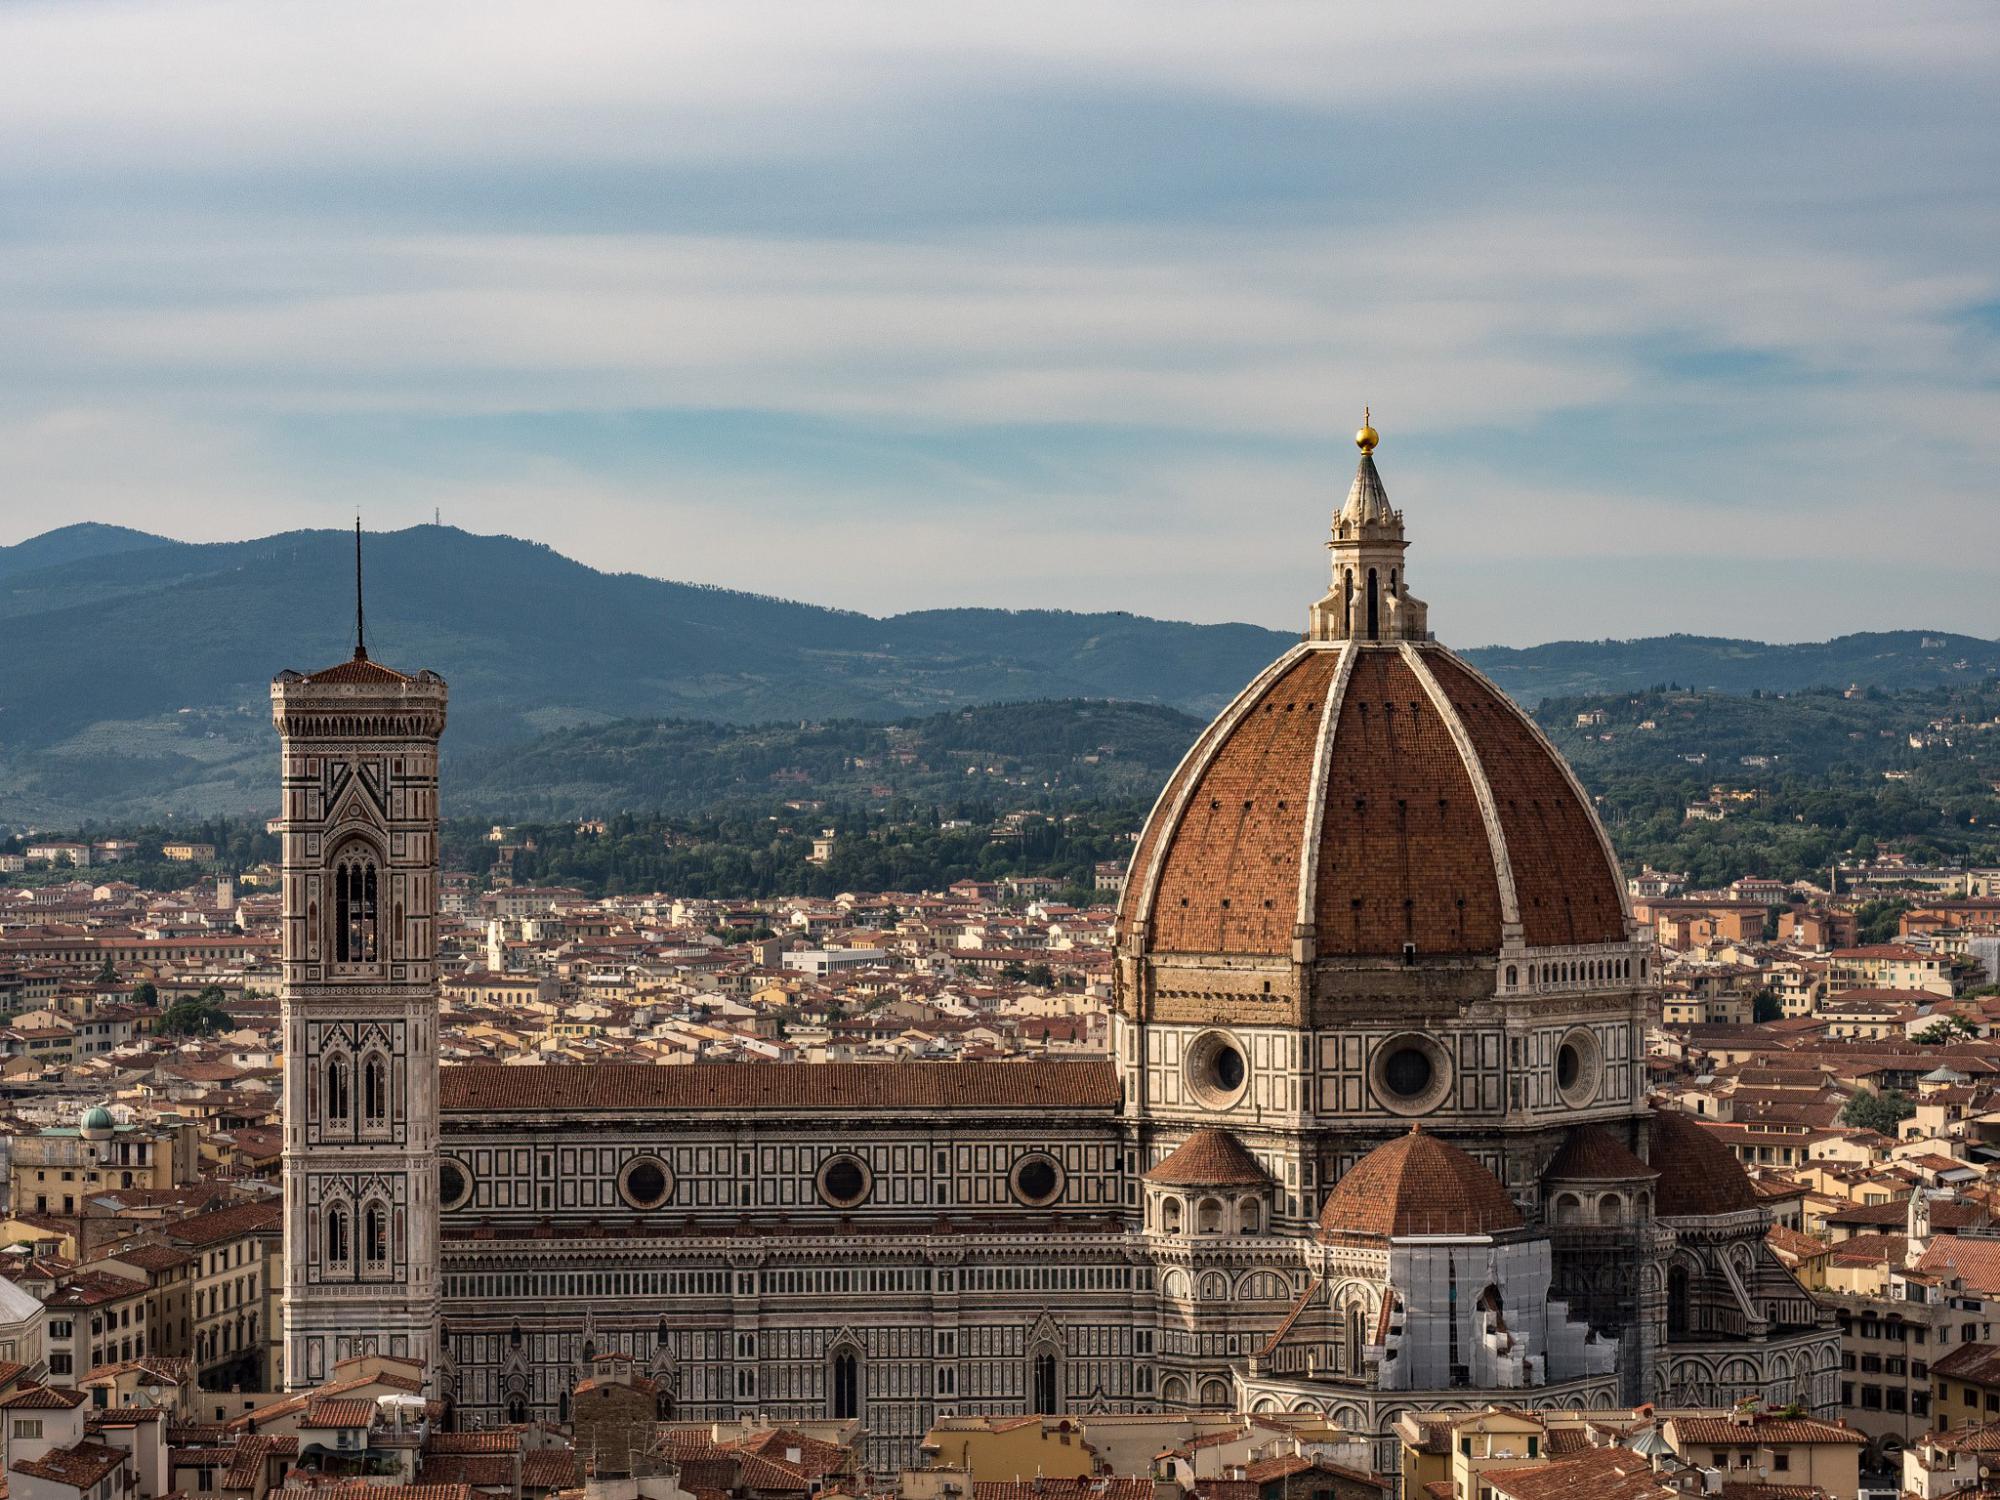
x,y
1354,1339
355,928
562,1406
517,1410
1677,1302
1374,606
337,1103
336,1235
375,1090
846,1384
375,1234
1042,1372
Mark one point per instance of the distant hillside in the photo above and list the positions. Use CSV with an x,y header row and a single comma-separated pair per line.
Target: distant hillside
x,y
1896,658
1795,781
1042,754
73,544
137,670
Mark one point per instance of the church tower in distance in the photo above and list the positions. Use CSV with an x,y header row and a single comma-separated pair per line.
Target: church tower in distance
x,y
360,749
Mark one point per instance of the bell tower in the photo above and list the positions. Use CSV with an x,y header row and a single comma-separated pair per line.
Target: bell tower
x,y
359,743
1370,599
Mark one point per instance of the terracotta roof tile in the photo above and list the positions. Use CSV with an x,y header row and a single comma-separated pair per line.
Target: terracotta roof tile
x,y
1417,1184
1699,1175
1591,1153
1210,1158
1030,1085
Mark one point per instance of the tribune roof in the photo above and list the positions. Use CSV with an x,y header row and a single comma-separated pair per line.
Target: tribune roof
x,y
930,1086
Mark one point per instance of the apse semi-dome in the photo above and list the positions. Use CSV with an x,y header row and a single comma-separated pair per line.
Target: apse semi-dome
x,y
1371,796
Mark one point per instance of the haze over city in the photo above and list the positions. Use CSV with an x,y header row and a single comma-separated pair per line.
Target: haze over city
x,y
1673,316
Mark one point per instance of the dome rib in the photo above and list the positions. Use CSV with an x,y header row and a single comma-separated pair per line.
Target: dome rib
x,y
1482,791
1306,921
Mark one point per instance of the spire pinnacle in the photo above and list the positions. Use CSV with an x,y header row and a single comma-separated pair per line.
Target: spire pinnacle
x,y
360,625
1367,437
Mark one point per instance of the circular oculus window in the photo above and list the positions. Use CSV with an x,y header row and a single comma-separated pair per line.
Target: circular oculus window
x,y
1579,1067
1216,1069
844,1181
645,1182
454,1183
1411,1074
1037,1180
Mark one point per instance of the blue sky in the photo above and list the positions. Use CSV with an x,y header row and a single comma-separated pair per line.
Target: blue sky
x,y
1673,316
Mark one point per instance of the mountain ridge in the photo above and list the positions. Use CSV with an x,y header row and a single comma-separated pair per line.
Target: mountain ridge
x,y
139,666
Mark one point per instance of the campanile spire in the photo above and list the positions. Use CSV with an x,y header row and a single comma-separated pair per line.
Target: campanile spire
x,y
360,624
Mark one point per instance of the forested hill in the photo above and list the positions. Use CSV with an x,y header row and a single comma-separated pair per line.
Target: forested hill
x,y
1793,782
1043,754
136,679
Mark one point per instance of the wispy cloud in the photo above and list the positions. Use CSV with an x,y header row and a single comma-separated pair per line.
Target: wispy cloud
x,y
1042,304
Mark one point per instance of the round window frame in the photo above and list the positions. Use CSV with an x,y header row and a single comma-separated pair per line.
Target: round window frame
x,y
1590,1074
1021,1194
1442,1074
446,1205
826,1194
1197,1070
625,1195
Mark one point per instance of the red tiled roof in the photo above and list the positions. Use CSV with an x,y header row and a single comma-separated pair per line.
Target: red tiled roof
x,y
1029,1085
1725,1432
1699,1176
79,1466
359,671
338,1411
1591,1153
1210,1158
1417,1184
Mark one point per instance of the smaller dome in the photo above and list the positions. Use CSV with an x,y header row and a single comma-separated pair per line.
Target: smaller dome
x,y
1590,1153
1699,1175
97,1124
1417,1184
1210,1158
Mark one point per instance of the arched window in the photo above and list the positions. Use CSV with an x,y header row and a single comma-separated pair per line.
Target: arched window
x,y
1170,1216
1250,1216
336,1235
1215,1395
1042,1371
1347,597
1208,1217
355,929
1374,617
1355,1331
375,1235
1392,583
846,1384
1569,1208
337,1102
562,1406
517,1410
514,1337
1677,1302
1610,1209
375,1089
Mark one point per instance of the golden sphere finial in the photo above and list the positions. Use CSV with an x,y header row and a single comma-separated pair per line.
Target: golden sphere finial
x,y
1367,437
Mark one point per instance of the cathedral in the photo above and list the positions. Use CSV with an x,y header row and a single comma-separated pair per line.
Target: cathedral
x,y
1374,1135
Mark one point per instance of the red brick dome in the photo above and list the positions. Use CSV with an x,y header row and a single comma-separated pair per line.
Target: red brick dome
x,y
1699,1175
1417,1184
1370,794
